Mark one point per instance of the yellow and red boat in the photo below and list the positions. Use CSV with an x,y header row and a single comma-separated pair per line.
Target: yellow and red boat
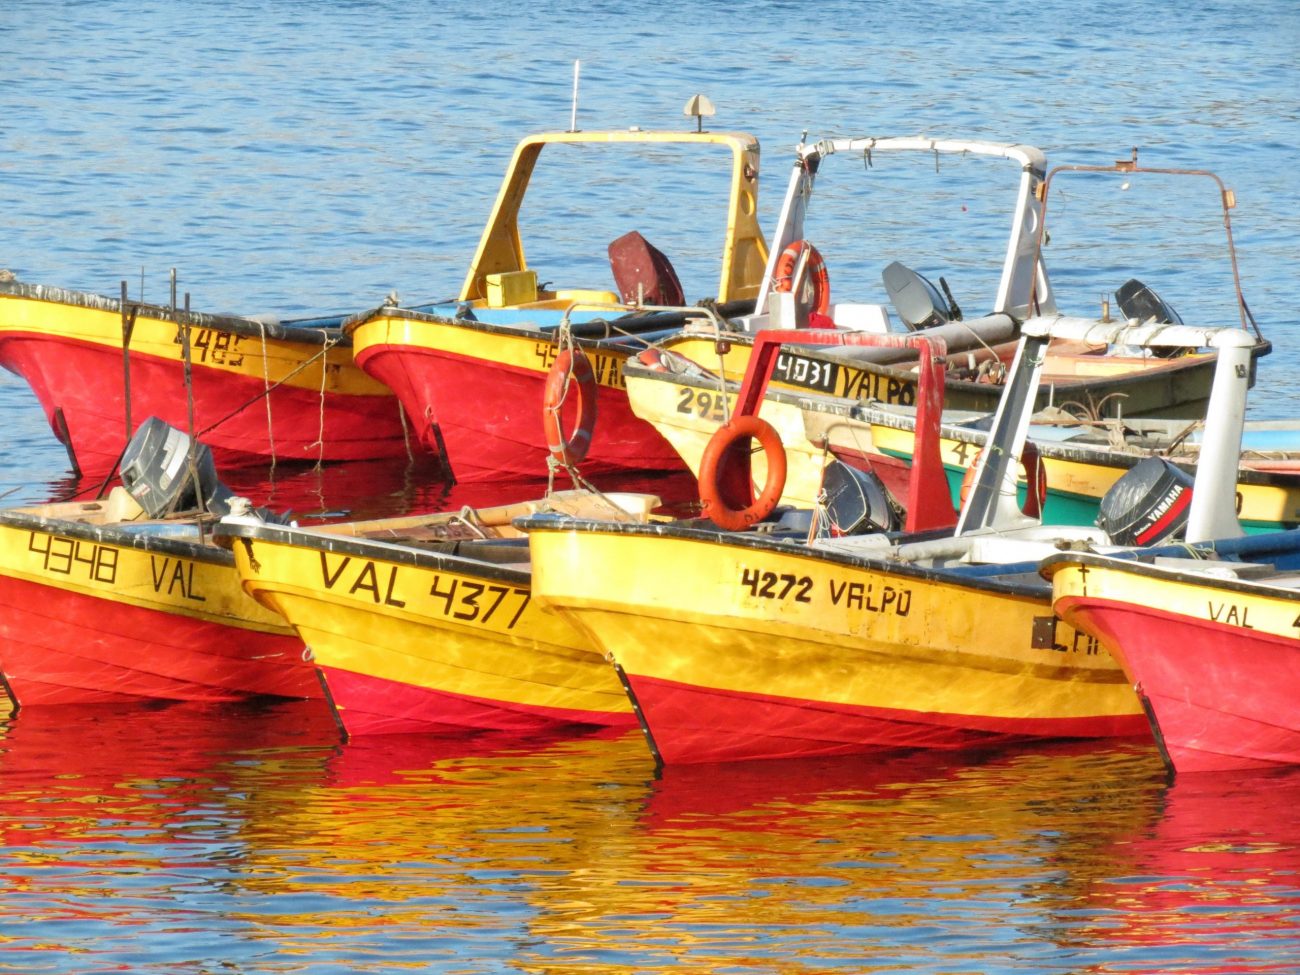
x,y
472,374
262,390
1083,459
1209,641
427,624
100,603
787,642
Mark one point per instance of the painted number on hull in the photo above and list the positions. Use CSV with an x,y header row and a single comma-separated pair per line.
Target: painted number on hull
x,y
476,602
771,585
852,595
704,403
608,369
71,556
462,599
210,345
796,370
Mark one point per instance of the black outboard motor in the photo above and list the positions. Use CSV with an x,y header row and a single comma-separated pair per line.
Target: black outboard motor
x,y
1137,301
156,472
917,302
857,502
1149,503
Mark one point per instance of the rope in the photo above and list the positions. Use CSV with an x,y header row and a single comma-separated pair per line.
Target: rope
x,y
320,431
326,346
266,392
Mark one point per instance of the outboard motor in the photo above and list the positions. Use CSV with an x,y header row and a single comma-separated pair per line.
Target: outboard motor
x,y
1149,503
156,472
1139,302
917,302
857,502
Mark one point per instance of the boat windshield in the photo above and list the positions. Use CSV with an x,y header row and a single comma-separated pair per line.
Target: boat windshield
x,y
583,196
942,215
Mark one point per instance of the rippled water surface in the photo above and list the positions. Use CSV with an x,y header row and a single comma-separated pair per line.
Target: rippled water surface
x,y
297,157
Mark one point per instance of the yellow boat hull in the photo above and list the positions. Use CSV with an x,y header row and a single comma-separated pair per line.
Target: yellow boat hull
x,y
259,391
420,642
736,647
100,615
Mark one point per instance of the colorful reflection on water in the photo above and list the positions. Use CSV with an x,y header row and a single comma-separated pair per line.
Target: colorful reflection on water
x,y
248,838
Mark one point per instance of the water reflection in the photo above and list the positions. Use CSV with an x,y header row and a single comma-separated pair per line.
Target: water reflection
x,y
128,830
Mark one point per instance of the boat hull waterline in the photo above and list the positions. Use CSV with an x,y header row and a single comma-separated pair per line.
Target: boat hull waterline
x,y
92,616
491,428
740,649
423,644
260,393
1218,665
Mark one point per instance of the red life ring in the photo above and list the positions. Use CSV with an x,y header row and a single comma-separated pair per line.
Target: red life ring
x,y
571,372
816,274
726,490
1035,471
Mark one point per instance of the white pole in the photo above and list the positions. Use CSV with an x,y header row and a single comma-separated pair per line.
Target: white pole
x,y
573,119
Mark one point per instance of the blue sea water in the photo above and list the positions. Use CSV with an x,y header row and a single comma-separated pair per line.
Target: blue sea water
x,y
295,156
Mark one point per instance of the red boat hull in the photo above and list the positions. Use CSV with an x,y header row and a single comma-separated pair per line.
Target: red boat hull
x,y
374,706
1220,696
486,417
84,381
63,647
698,724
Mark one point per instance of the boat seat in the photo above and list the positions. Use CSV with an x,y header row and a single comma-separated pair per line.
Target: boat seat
x,y
643,274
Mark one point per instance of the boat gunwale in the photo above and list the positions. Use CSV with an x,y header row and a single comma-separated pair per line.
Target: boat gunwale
x,y
327,335
1137,566
378,549
1177,367
646,323
118,535
797,547
1066,451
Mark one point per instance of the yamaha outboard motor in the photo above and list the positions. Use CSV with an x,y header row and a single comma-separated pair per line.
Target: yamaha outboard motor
x,y
156,472
1149,503
857,502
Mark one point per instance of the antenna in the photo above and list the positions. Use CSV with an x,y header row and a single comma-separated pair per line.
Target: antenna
x,y
699,106
573,118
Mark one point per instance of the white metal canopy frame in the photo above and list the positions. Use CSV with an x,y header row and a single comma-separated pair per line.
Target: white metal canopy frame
x,y
1016,285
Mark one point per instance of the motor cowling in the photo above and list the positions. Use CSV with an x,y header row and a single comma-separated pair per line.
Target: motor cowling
x,y
1149,503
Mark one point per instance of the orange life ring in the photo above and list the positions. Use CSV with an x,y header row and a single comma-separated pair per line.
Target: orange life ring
x,y
571,371
1035,471
783,278
726,490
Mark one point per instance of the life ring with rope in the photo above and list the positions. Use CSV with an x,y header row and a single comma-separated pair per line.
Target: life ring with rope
x,y
726,490
571,373
815,274
1035,472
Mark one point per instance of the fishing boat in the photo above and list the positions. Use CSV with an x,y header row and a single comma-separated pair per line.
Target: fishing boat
x,y
126,599
1082,457
255,389
821,400
789,641
426,624
1208,640
475,374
